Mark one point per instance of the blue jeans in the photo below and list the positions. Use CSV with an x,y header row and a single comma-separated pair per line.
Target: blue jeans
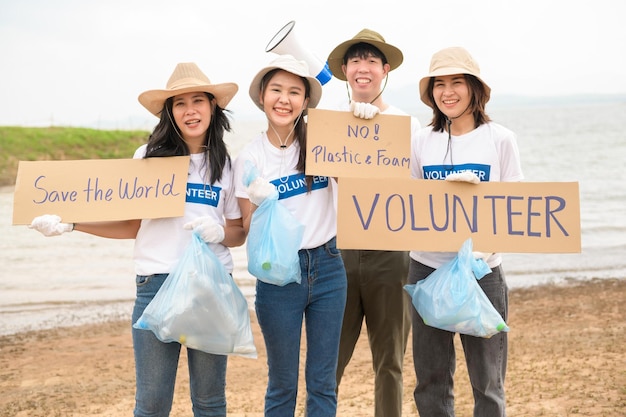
x,y
156,364
320,299
435,362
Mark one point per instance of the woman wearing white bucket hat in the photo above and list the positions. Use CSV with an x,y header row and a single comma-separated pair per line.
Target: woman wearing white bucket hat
x,y
192,121
460,144
283,90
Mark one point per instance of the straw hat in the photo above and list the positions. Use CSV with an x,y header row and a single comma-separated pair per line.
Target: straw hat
x,y
290,64
187,78
450,61
335,59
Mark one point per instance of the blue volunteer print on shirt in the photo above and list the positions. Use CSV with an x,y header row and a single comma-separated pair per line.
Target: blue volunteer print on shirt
x,y
203,194
296,184
440,172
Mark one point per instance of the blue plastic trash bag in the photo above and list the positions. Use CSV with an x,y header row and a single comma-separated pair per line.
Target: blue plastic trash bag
x,y
451,299
200,306
274,239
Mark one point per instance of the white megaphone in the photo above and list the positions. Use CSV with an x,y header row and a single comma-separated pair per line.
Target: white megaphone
x,y
285,42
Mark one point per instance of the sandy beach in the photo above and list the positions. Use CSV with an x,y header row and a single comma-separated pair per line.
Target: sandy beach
x,y
566,358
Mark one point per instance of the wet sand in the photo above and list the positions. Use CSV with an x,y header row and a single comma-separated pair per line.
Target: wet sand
x,y
566,358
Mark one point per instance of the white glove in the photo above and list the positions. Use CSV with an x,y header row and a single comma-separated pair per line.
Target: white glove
x,y
207,228
50,225
259,189
363,110
465,176
483,255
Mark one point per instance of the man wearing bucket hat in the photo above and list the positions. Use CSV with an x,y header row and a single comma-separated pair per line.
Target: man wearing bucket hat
x,y
460,144
375,277
284,90
192,121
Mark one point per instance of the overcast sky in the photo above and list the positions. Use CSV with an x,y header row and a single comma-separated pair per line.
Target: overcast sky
x,y
84,62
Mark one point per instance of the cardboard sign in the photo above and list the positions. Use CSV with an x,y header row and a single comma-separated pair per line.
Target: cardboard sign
x,y
342,145
411,214
101,189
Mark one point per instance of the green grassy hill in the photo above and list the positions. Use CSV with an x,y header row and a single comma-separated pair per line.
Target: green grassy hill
x,y
61,143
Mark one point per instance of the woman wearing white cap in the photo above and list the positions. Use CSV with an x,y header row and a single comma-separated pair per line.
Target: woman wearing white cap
x,y
460,144
192,121
283,91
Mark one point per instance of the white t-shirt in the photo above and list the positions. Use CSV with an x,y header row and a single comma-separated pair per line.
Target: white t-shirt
x,y
161,242
490,151
315,210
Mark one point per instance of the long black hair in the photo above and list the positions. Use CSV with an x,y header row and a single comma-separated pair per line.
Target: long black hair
x,y
166,139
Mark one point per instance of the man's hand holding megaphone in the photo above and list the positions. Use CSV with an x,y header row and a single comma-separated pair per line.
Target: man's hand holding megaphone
x,y
363,110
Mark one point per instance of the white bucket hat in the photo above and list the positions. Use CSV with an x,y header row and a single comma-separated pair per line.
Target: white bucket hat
x,y
290,64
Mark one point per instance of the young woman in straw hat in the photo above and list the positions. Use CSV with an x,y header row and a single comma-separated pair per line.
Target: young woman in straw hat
x,y
460,144
284,90
192,121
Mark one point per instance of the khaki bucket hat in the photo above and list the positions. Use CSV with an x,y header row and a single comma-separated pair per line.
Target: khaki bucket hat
x,y
335,59
450,61
187,78
290,64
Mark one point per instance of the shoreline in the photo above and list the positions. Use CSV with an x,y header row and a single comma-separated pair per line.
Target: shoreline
x,y
100,312
565,357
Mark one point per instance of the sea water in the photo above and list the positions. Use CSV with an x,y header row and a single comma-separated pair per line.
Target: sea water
x,y
77,278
